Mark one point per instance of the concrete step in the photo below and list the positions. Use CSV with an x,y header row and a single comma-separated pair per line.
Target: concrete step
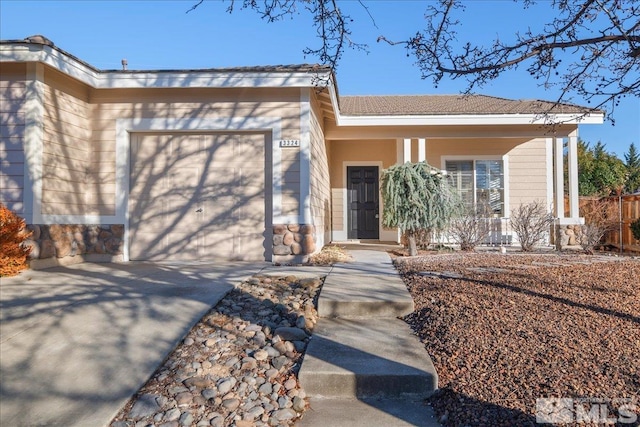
x,y
368,413
350,292
358,358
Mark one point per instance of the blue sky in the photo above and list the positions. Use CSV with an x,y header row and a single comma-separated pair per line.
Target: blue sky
x,y
160,35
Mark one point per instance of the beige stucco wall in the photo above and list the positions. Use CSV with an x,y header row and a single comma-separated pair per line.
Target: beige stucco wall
x,y
66,157
320,191
12,124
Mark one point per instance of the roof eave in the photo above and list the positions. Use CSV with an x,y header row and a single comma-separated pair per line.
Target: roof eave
x,y
471,119
80,70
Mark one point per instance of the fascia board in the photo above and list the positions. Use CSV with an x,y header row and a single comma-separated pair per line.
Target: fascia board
x,y
178,79
203,80
471,119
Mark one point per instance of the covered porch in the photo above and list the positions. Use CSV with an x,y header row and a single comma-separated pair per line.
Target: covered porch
x,y
506,169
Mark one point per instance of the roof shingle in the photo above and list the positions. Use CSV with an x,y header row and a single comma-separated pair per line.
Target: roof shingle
x,y
410,105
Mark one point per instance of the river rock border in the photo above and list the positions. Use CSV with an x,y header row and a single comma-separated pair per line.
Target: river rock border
x,y
293,242
70,240
238,365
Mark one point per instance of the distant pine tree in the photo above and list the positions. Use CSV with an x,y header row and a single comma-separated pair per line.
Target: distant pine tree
x,y
632,163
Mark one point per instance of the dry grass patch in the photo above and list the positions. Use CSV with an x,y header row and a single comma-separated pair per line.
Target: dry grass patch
x,y
330,255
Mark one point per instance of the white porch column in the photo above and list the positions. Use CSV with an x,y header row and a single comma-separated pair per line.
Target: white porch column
x,y
422,150
406,156
573,175
559,177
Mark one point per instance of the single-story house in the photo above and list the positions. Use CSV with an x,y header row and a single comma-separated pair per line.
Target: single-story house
x,y
255,163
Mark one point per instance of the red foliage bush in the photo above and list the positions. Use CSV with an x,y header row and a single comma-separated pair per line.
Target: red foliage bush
x,y
13,232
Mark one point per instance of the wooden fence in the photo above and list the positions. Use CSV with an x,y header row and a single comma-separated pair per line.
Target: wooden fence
x,y
627,208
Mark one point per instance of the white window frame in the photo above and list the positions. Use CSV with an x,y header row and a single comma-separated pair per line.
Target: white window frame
x,y
505,171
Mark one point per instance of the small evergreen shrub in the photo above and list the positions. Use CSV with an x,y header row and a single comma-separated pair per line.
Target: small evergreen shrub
x,y
13,232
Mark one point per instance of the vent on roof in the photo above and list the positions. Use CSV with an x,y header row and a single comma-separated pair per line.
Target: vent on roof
x,y
39,39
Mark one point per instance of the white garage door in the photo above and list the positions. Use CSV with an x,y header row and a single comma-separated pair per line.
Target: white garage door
x,y
197,197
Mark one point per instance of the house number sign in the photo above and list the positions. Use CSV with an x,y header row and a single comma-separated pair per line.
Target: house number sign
x,y
289,143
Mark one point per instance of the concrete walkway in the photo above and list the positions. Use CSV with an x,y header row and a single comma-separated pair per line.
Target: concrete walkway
x,y
363,365
77,342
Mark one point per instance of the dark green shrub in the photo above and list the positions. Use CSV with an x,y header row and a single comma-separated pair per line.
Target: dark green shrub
x,y
635,229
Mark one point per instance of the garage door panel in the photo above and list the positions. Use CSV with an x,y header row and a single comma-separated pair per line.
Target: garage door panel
x,y
249,147
173,246
151,150
182,180
151,246
221,178
248,244
233,245
151,215
221,211
252,179
218,244
193,198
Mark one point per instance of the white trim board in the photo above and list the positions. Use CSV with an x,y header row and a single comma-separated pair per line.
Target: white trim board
x,y
61,61
33,145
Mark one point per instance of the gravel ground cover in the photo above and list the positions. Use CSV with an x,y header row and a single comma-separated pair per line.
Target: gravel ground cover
x,y
504,330
238,365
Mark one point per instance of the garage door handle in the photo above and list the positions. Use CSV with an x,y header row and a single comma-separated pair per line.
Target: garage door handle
x,y
199,210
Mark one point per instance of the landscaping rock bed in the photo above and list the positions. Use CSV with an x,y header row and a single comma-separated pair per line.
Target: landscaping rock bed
x,y
505,330
238,366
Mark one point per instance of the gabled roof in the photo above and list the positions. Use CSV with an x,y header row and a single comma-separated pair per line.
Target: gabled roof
x,y
40,49
412,105
42,40
378,110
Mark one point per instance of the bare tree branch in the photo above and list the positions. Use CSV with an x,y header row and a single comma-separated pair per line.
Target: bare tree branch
x,y
601,38
598,40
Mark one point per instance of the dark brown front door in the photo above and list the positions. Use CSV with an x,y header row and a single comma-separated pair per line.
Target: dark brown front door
x,y
362,202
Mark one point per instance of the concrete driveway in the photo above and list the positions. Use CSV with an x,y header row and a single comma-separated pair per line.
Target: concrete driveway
x,y
76,342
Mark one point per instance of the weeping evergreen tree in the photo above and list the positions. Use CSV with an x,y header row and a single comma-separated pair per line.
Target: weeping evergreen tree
x,y
417,197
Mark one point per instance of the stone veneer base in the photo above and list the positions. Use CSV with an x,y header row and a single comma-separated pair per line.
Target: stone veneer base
x,y
567,235
64,244
293,243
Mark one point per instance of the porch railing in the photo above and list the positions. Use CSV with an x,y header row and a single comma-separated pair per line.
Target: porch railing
x,y
500,234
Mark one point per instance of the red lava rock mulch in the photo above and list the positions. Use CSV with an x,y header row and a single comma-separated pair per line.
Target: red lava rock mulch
x,y
504,330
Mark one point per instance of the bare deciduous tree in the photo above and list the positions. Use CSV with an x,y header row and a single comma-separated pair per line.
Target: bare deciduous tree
x,y
600,217
586,48
601,38
329,21
472,227
531,223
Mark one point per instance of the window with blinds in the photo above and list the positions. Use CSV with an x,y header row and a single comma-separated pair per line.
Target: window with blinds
x,y
479,180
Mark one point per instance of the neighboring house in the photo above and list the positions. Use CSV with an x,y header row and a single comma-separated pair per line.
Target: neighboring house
x,y
256,163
